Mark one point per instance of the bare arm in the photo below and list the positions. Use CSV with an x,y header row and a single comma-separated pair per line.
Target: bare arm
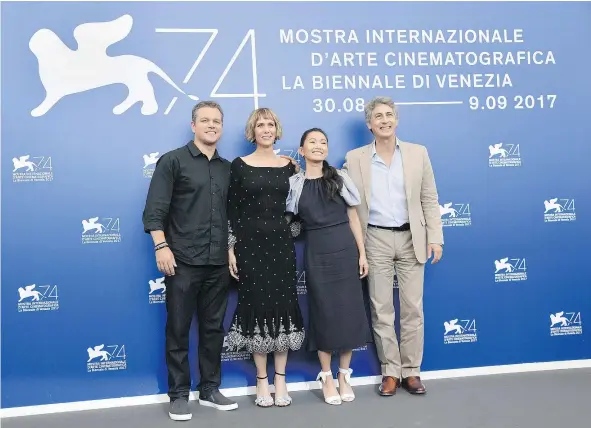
x,y
355,225
157,236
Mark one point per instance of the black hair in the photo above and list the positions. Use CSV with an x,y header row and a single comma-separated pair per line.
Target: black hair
x,y
330,178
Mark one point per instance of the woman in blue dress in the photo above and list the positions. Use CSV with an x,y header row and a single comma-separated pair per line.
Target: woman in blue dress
x,y
323,200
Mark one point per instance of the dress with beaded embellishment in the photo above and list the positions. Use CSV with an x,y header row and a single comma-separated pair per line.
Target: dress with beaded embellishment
x,y
267,316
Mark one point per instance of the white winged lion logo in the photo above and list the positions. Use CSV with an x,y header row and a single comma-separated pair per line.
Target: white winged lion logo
x,y
64,71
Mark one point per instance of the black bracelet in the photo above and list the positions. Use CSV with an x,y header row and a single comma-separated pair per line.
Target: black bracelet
x,y
160,243
160,246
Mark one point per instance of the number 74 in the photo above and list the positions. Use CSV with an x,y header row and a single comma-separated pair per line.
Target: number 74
x,y
250,36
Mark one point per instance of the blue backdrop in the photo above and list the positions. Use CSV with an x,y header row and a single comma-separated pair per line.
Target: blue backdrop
x,y
497,92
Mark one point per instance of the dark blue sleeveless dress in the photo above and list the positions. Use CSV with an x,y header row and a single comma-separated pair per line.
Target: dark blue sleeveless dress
x,y
337,316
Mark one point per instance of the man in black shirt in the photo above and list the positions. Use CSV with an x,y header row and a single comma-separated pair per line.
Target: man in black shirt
x,y
185,214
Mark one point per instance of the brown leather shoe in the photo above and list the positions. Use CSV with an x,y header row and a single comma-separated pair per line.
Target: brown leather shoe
x,y
389,386
413,385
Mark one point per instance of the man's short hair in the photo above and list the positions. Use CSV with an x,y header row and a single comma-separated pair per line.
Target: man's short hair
x,y
203,104
371,106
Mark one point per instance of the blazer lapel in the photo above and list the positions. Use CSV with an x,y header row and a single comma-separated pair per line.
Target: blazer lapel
x,y
365,166
407,164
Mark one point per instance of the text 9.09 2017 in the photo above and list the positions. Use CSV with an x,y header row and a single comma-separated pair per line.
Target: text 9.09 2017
x,y
519,102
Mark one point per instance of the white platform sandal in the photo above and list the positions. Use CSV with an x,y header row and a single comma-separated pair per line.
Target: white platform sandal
x,y
334,400
261,400
347,376
281,401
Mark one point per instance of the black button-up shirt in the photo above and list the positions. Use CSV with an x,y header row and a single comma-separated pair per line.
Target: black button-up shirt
x,y
187,200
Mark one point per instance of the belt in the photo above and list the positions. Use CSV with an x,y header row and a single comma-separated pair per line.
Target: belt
x,y
405,226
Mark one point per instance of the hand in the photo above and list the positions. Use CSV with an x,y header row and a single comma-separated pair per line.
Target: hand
x,y
363,267
165,261
293,161
233,266
436,250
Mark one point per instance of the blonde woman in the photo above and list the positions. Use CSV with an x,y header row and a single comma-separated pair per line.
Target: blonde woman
x,y
262,259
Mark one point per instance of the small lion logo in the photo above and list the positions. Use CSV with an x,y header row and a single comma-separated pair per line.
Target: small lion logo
x,y
64,71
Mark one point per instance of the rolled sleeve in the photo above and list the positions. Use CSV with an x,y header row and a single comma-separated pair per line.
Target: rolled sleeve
x,y
159,195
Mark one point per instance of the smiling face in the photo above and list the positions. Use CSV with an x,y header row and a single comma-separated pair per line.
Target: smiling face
x,y
314,147
263,128
207,125
383,122
265,131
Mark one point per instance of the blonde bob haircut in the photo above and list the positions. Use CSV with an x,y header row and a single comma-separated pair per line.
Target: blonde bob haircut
x,y
255,116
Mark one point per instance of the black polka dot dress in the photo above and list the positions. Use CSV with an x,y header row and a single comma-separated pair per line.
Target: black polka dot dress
x,y
267,317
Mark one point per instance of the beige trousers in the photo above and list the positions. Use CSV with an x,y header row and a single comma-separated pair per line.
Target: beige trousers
x,y
388,251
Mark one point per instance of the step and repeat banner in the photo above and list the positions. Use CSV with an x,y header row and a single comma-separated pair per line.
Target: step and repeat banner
x,y
93,94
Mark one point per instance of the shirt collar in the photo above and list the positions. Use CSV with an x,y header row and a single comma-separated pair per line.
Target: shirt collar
x,y
373,147
196,152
